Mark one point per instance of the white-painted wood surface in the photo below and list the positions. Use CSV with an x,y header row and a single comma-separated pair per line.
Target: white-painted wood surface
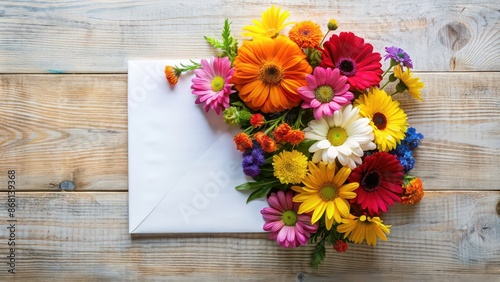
x,y
100,36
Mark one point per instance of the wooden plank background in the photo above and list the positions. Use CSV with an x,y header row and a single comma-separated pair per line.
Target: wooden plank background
x,y
63,116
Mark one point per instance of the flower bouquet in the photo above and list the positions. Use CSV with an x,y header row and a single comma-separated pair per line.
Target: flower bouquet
x,y
327,146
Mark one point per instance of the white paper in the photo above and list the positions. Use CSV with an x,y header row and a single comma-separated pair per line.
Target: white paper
x,y
183,164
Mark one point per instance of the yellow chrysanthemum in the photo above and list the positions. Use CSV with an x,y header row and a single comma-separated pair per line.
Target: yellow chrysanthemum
x,y
412,84
273,21
364,227
386,117
290,167
325,192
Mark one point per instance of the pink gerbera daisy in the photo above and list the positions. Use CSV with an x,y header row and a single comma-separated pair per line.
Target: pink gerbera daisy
x,y
380,179
287,227
326,92
354,58
211,84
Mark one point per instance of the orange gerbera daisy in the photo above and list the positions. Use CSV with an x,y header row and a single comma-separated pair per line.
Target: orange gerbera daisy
x,y
269,72
306,34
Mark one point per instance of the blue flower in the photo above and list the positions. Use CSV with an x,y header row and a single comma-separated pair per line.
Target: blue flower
x,y
412,139
407,160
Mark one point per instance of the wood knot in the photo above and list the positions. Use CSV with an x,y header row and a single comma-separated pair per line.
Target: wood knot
x,y
454,35
67,185
301,276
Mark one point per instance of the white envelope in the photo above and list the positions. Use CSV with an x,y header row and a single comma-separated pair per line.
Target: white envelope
x,y
183,164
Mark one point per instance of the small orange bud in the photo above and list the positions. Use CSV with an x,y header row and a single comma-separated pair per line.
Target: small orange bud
x,y
243,141
171,75
414,192
257,120
280,132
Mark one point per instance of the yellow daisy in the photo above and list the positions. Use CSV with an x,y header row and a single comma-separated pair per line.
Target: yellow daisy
x,y
386,117
290,167
412,84
364,227
325,192
273,21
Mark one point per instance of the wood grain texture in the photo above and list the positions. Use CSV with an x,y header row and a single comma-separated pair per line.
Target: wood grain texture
x,y
71,127
100,36
83,236
74,127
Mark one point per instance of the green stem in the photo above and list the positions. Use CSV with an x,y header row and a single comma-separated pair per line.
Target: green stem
x,y
394,93
275,123
298,122
324,37
390,68
387,82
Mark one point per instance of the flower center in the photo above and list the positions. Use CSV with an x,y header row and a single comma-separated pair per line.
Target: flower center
x,y
324,93
371,181
306,32
328,193
217,83
289,217
290,166
380,121
336,136
347,67
401,55
271,74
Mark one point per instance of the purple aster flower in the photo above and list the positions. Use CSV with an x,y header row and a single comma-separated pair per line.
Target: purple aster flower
x,y
251,170
398,55
253,159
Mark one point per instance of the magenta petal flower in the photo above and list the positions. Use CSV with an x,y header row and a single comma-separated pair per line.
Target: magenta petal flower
x,y
327,91
211,84
288,228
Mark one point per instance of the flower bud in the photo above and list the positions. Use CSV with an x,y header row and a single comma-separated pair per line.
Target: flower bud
x,y
332,24
231,116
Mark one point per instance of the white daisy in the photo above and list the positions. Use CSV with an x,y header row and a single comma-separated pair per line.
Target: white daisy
x,y
343,136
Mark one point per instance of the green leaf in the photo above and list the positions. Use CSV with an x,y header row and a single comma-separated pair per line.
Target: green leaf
x,y
318,255
304,146
214,42
256,185
259,193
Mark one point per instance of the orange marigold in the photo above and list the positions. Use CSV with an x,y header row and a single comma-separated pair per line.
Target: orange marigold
x,y
243,141
280,132
294,137
306,34
171,75
257,120
266,142
414,192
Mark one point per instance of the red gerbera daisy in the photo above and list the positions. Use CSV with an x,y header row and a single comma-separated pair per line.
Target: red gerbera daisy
x,y
354,58
380,177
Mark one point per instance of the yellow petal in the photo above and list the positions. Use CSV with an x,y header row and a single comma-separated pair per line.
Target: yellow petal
x,y
343,206
318,212
328,223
